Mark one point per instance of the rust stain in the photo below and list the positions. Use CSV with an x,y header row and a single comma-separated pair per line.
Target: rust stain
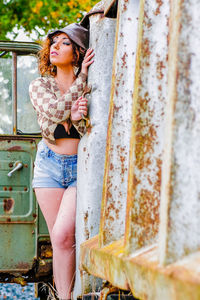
x,y
112,212
146,50
157,184
15,148
125,5
87,235
8,205
147,21
111,166
22,265
117,108
147,217
124,59
159,68
160,3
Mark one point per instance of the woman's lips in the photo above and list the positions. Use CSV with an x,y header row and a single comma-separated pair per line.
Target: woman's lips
x,y
54,53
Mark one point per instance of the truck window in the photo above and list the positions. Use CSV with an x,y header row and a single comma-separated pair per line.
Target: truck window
x,y
23,71
6,95
27,70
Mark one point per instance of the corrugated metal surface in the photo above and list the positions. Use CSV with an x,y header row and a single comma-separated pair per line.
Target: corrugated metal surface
x,y
165,119
114,196
180,222
147,125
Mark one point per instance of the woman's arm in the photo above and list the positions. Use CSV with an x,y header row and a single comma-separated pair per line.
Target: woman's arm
x,y
48,105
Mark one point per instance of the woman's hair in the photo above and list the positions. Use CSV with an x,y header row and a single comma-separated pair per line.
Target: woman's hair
x,y
45,66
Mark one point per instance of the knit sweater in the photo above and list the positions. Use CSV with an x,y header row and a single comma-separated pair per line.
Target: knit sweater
x,y
53,108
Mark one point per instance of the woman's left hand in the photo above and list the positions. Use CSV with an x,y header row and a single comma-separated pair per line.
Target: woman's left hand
x,y
88,60
79,108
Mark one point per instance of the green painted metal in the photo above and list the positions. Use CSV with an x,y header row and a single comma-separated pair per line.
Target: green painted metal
x,y
22,227
18,209
20,47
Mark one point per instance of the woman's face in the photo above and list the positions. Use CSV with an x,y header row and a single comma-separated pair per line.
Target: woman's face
x,y
61,53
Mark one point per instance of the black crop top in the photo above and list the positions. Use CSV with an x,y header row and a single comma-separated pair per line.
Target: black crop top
x,y
60,133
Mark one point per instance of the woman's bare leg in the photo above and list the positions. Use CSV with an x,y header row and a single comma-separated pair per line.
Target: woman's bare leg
x,y
49,200
63,241
59,208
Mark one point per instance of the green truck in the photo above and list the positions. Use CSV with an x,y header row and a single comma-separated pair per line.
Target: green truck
x,y
25,250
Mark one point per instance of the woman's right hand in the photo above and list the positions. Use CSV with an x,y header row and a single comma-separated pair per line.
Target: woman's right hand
x,y
88,60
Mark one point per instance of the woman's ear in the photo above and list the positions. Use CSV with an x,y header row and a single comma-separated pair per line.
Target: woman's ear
x,y
77,57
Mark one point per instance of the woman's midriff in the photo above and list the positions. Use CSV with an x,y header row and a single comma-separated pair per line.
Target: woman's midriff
x,y
64,146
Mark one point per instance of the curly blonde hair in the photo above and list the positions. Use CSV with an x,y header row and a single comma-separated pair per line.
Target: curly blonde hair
x,y
45,66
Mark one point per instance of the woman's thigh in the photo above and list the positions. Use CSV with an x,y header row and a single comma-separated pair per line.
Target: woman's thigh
x,y
65,221
49,200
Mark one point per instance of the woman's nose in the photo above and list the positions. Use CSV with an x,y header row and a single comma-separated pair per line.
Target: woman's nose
x,y
56,45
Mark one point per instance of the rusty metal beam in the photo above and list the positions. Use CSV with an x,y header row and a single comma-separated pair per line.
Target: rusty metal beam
x,y
141,272
135,261
146,144
112,225
180,209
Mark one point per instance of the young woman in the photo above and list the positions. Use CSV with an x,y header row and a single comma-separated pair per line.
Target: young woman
x,y
57,99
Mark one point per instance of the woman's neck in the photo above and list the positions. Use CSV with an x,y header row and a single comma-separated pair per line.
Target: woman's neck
x,y
64,78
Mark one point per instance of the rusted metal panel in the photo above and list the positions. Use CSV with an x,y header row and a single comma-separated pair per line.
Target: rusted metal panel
x,y
135,261
141,272
91,152
17,187
180,222
20,47
146,147
18,211
104,262
119,126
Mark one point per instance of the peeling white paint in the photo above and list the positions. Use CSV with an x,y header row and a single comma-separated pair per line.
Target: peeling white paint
x,y
149,104
116,174
183,234
91,152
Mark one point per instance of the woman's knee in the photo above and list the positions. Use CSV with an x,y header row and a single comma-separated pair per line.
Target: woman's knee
x,y
61,238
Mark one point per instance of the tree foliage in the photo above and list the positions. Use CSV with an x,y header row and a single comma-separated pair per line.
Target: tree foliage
x,y
40,14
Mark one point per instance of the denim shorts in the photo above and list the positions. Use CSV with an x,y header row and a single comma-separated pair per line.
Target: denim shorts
x,y
53,170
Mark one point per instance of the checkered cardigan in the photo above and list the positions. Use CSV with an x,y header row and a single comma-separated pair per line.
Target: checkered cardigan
x,y
51,107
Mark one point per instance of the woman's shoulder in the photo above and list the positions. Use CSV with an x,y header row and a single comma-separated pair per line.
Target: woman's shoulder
x,y
41,81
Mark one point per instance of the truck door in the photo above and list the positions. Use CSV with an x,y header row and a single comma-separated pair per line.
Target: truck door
x,y
19,134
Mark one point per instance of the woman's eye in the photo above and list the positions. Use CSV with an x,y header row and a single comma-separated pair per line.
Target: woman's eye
x,y
67,43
